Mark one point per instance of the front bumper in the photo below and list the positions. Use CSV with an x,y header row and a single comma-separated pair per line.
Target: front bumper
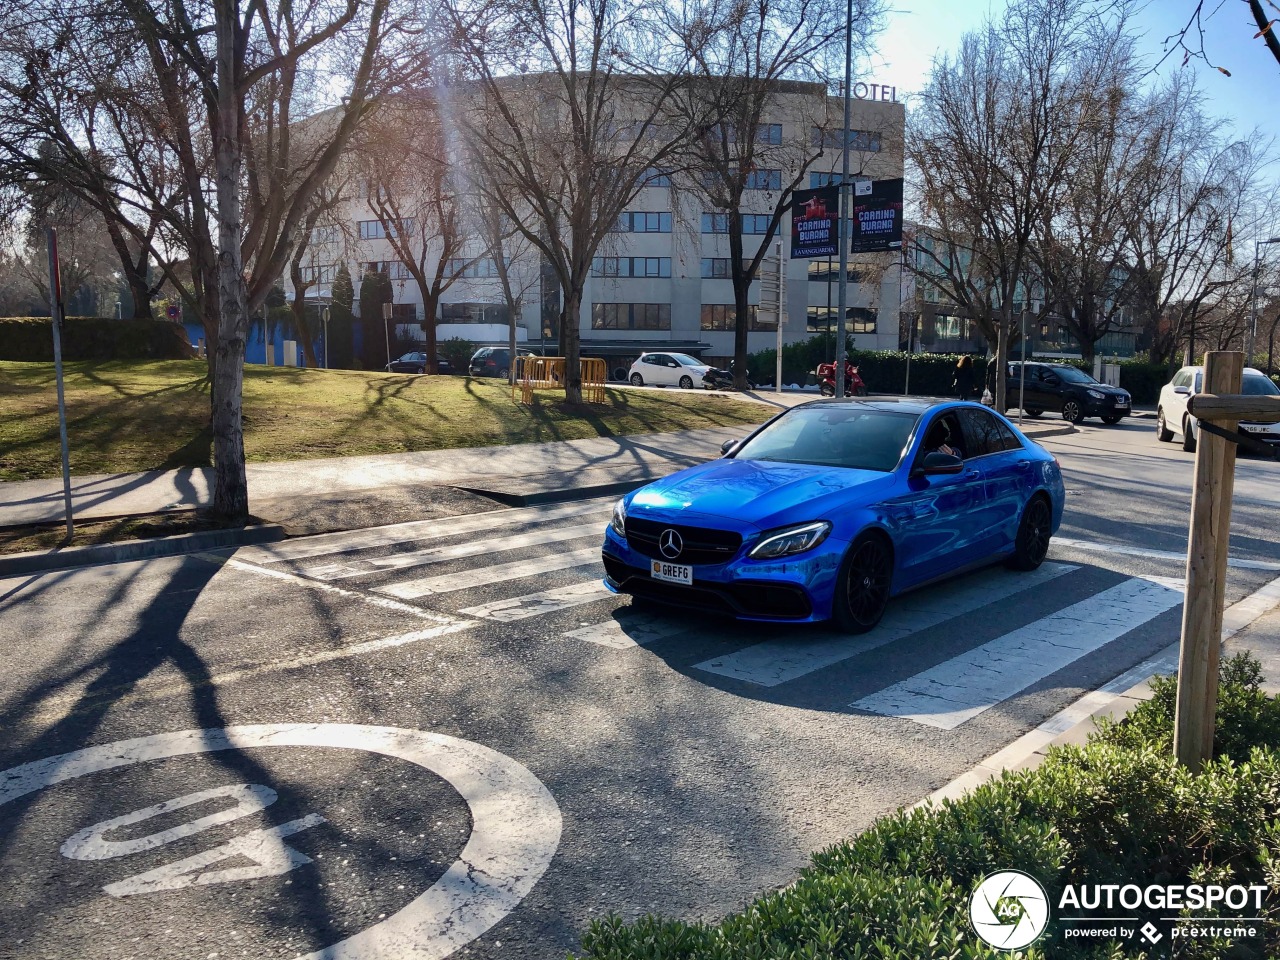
x,y
792,590
1108,406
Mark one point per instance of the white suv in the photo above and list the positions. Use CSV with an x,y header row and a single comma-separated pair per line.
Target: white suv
x,y
1172,417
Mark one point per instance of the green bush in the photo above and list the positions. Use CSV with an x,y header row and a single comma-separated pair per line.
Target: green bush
x,y
1118,810
30,339
458,352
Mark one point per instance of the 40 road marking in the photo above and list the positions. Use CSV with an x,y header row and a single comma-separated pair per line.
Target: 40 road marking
x,y
515,822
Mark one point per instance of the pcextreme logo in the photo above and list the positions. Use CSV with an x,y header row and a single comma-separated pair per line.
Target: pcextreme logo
x,y
1009,910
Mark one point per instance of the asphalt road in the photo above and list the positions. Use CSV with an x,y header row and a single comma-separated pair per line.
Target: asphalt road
x,y
445,736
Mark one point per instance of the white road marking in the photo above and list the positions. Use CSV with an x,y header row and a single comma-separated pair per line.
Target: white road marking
x,y
483,576
456,551
963,687
536,604
634,631
1120,548
515,823
775,662
350,541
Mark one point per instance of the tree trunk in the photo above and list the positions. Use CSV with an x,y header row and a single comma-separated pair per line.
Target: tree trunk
x,y
230,487
741,298
572,354
299,310
430,305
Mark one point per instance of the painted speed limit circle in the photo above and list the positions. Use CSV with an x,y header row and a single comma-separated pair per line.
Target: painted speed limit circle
x,y
515,822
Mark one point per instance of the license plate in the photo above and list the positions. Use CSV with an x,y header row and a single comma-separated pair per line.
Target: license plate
x,y
1122,403
671,572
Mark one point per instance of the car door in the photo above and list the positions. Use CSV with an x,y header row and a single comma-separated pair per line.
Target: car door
x,y
997,454
1175,400
659,369
933,519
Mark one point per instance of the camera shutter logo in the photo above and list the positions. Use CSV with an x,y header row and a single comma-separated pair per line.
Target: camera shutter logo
x,y
1009,910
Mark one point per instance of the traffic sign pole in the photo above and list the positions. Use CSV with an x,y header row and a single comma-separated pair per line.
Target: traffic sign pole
x,y
55,316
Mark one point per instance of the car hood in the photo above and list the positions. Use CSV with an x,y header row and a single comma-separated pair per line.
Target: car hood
x,y
755,492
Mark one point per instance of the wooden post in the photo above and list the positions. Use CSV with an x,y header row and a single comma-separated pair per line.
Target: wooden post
x,y
1207,544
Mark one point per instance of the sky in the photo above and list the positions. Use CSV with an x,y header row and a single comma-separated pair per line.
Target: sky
x,y
919,30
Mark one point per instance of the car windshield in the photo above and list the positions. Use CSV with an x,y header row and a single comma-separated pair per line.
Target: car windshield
x,y
1072,375
833,436
1258,386
684,361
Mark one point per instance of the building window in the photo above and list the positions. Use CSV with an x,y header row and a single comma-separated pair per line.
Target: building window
x,y
404,311
717,268
867,141
395,269
857,319
755,224
467,312
377,230
641,221
818,180
723,316
653,177
631,316
820,271
331,233
764,180
631,267
484,268
320,274
769,133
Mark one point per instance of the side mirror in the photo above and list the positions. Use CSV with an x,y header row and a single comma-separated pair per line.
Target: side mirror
x,y
936,463
727,447
1184,391
1052,381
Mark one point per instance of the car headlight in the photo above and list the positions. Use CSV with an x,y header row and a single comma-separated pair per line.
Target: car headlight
x,y
791,540
1096,394
619,521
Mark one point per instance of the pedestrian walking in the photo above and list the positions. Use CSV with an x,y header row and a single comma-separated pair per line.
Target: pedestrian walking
x,y
962,382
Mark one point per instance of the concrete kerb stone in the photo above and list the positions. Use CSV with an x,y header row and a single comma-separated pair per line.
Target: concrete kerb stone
x,y
68,558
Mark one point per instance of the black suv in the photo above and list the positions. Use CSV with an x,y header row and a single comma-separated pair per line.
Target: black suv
x,y
1066,390
494,361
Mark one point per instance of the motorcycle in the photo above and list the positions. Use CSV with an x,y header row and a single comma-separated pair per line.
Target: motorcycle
x,y
853,385
719,379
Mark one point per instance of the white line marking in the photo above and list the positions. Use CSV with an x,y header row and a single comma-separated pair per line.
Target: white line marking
x,y
350,541
963,687
775,662
515,823
456,551
1156,554
497,573
536,604
635,631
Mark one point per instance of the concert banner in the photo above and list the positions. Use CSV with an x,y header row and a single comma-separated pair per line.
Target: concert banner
x,y
877,216
814,218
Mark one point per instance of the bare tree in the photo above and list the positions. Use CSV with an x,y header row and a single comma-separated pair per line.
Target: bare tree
x,y
569,145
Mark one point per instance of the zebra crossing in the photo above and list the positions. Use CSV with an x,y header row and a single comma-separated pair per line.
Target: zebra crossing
x,y
540,566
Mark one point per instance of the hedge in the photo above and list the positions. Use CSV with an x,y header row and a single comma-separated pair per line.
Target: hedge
x,y
885,371
30,339
1116,811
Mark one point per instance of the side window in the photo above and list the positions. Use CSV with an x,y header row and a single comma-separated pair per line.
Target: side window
x,y
1182,379
1007,439
1196,388
982,436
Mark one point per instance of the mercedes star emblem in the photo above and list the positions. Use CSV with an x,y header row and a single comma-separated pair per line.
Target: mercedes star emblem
x,y
670,544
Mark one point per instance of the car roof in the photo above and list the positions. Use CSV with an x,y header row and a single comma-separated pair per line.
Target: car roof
x,y
1200,366
916,405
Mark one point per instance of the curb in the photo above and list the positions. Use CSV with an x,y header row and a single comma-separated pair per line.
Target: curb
x,y
71,557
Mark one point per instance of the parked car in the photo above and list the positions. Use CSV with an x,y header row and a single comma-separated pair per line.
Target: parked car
x,y
1067,390
1172,418
494,361
667,370
416,362
835,506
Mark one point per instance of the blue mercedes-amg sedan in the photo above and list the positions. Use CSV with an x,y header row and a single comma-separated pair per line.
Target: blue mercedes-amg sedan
x,y
833,507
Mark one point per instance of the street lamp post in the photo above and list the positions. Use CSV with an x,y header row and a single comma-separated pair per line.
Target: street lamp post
x,y
1253,312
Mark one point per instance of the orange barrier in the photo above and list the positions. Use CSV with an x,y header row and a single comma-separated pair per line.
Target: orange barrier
x,y
547,373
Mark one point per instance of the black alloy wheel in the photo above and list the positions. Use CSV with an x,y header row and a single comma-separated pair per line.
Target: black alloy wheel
x,y
637,380
1163,433
686,383
1112,420
1072,412
1035,413
504,374
1032,544
862,591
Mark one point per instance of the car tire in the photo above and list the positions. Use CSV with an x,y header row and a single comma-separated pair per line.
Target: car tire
x,y
1112,421
1072,412
637,380
1035,413
1163,433
1031,545
686,383
862,588
504,374
1188,436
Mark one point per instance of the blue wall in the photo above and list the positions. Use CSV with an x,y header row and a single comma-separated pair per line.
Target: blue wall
x,y
255,348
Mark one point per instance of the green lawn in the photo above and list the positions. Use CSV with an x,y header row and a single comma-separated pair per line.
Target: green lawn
x,y
125,416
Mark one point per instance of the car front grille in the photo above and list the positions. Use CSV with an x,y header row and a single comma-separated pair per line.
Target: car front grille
x,y
702,545
753,599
